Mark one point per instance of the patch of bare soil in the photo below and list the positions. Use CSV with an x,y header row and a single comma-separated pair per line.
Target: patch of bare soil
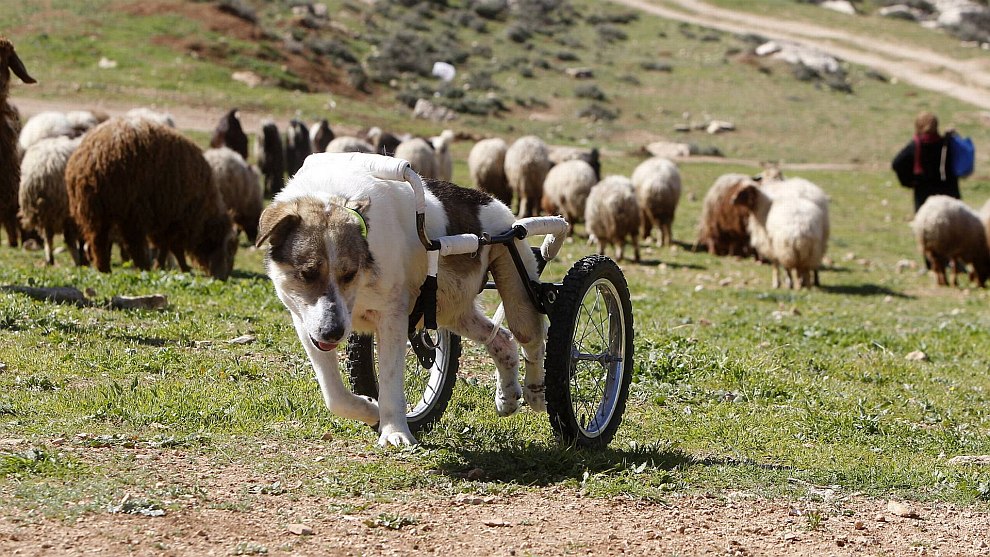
x,y
225,518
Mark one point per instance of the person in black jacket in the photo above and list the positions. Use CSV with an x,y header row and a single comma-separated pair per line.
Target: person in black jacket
x,y
923,164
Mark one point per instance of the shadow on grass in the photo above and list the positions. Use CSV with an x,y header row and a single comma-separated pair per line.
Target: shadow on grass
x,y
863,290
241,274
658,262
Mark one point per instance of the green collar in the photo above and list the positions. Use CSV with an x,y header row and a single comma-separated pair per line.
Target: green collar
x,y
361,221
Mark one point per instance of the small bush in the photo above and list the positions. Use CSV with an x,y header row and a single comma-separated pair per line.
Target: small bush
x,y
621,18
490,9
597,112
332,48
567,57
630,79
589,91
654,66
517,33
610,33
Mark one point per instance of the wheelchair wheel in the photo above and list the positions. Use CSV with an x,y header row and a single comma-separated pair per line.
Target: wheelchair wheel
x,y
589,359
427,390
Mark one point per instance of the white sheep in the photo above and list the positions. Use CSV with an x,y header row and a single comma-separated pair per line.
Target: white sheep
x,y
566,189
163,118
421,156
949,232
526,165
779,186
444,161
612,215
349,144
44,203
45,125
787,232
657,182
486,164
239,186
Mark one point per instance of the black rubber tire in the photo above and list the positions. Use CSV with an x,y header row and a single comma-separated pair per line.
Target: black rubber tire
x,y
589,417
428,391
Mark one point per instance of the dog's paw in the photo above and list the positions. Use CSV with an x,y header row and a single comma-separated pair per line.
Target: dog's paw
x,y
396,437
535,396
507,398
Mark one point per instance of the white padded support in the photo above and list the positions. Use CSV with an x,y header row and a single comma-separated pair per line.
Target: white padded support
x,y
432,262
541,226
461,243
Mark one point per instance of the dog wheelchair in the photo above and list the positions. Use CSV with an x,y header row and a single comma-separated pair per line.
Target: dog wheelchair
x,y
589,346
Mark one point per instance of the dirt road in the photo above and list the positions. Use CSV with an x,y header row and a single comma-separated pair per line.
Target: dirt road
x,y
966,80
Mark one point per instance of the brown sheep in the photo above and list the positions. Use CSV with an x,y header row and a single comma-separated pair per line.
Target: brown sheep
x,y
723,228
230,133
10,172
240,188
148,182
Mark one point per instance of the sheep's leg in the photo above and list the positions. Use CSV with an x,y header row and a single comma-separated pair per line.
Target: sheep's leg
x,y
13,230
645,224
49,237
99,245
635,243
180,259
71,236
601,246
775,277
136,244
938,267
666,235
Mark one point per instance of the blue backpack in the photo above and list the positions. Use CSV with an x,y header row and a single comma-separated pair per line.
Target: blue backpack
x,y
962,155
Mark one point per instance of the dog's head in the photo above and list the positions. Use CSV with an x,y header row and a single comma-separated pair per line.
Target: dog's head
x,y
318,260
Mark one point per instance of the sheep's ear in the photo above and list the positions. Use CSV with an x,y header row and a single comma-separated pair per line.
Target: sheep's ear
x,y
276,222
17,67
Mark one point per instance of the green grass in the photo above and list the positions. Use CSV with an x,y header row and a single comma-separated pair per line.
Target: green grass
x,y
737,385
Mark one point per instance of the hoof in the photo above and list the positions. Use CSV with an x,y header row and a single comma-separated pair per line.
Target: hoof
x,y
507,399
535,396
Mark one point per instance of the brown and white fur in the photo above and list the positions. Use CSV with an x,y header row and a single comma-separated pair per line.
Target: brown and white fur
x,y
334,281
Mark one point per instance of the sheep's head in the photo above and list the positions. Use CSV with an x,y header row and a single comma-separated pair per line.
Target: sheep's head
x,y
745,196
217,246
9,62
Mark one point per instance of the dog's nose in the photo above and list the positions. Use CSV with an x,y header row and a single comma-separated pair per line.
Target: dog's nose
x,y
331,332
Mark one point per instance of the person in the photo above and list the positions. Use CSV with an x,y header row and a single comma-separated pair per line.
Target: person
x,y
923,164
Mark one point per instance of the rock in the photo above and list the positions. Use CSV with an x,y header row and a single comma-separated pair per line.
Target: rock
x,y
426,110
57,294
474,474
106,63
976,460
498,523
151,301
243,339
917,356
859,525
300,529
248,78
719,126
580,73
668,149
841,6
898,508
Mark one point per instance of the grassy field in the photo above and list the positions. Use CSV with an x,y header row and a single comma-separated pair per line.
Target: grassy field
x,y
737,386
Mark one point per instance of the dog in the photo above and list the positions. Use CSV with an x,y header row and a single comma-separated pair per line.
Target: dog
x,y
344,256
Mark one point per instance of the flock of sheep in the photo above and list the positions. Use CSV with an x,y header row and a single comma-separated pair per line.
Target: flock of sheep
x,y
137,182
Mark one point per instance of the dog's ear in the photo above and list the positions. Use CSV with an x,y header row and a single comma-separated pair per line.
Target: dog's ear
x,y
359,205
276,221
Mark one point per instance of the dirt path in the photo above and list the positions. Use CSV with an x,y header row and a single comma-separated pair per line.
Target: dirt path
x,y
966,80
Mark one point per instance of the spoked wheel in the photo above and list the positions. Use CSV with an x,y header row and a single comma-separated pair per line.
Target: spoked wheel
x,y
427,390
589,360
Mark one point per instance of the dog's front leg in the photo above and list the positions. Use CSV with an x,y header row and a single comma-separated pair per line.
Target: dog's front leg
x,y
391,369
338,399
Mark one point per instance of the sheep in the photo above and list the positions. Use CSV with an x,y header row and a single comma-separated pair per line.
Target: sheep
x,y
776,185
44,203
611,214
788,232
723,228
10,170
271,158
444,162
148,182
559,154
566,189
320,135
230,133
526,166
239,186
658,190
384,142
349,144
45,125
486,164
948,231
163,118
297,146
421,156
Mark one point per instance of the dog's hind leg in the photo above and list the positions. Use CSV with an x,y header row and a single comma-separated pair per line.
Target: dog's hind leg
x,y
338,399
504,352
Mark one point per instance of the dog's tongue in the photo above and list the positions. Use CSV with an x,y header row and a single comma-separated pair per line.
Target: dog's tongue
x,y
326,346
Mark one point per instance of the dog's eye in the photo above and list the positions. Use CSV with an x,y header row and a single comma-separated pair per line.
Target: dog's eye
x,y
310,274
348,277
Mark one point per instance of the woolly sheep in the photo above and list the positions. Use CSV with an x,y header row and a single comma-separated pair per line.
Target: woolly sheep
x,y
658,190
139,113
230,133
10,171
526,166
239,186
558,154
723,228
271,158
45,125
444,161
320,135
150,183
44,203
788,232
349,144
948,231
486,164
612,215
383,142
297,146
566,189
421,156
798,187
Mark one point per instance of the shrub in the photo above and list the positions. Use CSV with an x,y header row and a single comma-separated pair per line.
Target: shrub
x,y
589,91
654,66
597,112
490,9
610,33
517,33
567,57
